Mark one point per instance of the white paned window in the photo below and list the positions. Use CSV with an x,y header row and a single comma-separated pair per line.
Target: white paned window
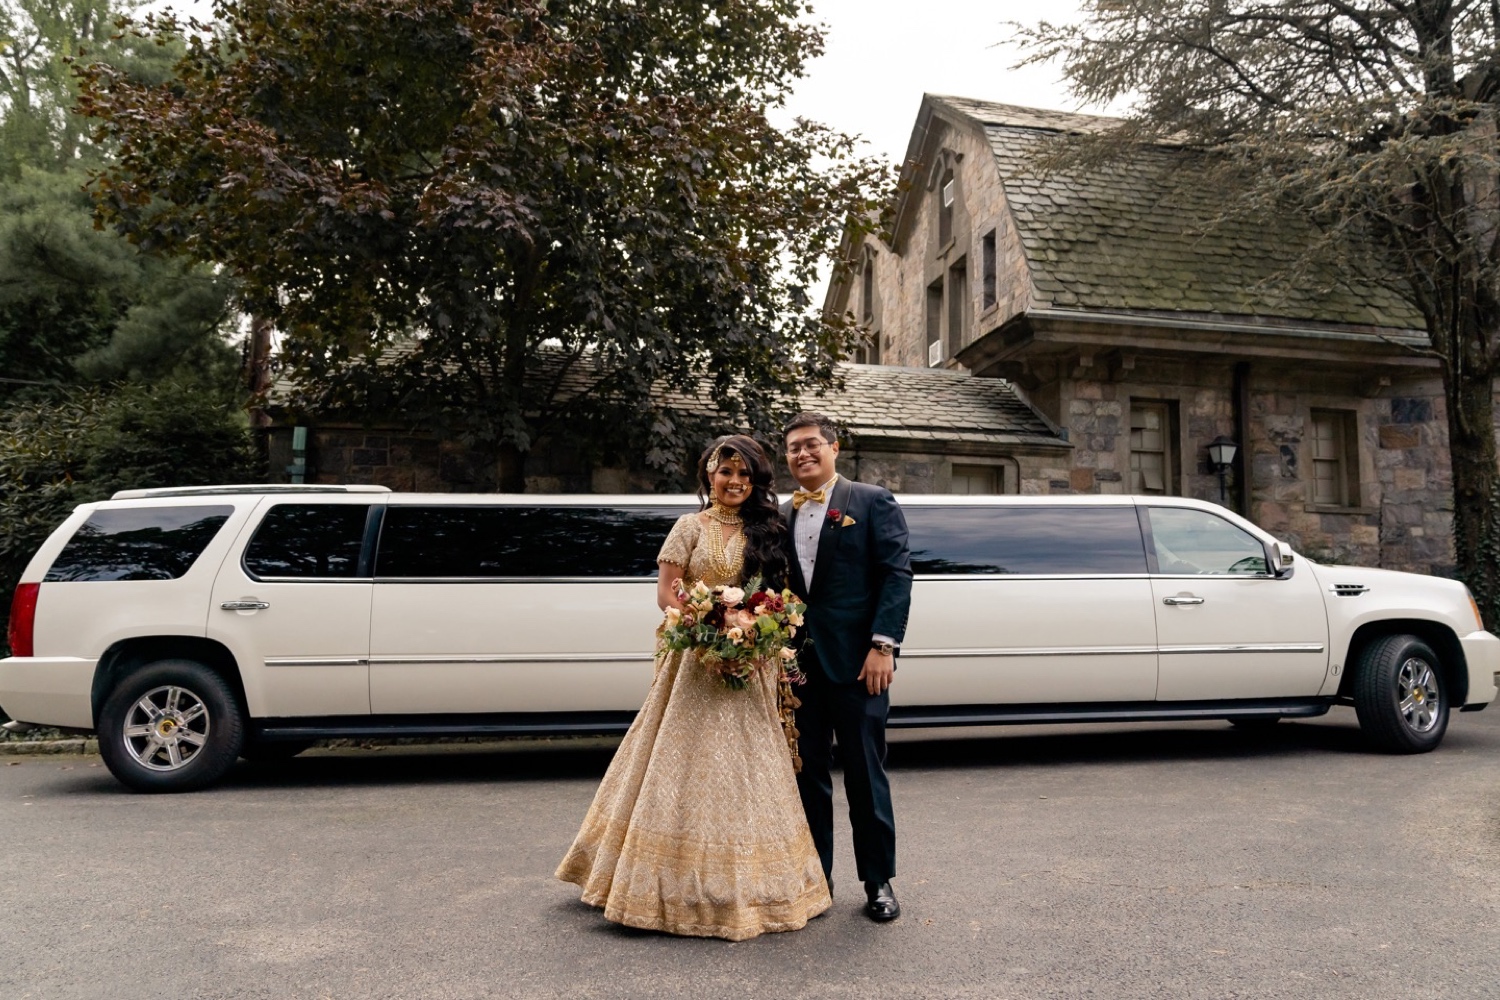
x,y
1150,447
1331,436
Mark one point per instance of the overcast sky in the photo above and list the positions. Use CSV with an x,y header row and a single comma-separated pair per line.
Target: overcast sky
x,y
882,55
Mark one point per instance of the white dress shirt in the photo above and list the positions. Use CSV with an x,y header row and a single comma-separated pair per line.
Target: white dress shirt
x,y
807,527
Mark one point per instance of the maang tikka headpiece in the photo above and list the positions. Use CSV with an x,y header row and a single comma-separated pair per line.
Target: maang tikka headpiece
x,y
714,460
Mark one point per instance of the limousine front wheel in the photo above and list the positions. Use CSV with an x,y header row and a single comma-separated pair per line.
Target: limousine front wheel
x,y
1399,695
172,726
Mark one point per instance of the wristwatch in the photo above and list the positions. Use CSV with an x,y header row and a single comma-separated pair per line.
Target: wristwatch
x,y
881,646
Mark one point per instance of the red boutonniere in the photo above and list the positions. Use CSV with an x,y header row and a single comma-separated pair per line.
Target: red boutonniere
x,y
834,514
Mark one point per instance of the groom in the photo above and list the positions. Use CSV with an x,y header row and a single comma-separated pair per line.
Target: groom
x,y
853,566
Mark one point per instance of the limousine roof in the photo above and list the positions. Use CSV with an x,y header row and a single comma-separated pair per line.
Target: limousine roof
x,y
637,499
197,491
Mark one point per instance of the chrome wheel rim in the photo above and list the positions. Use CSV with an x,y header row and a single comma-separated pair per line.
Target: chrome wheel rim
x,y
166,729
1417,694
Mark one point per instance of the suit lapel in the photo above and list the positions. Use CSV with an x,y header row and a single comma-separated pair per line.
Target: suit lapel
x,y
828,534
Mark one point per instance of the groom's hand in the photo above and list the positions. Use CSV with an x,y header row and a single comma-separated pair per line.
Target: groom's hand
x,y
878,670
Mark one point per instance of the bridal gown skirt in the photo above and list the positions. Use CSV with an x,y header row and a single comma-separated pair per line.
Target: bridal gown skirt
x,y
697,828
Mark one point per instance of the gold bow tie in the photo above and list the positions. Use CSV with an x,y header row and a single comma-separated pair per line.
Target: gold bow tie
x,y
800,497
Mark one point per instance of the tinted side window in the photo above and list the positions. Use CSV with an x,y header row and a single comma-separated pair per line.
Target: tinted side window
x,y
320,541
138,543
522,541
996,540
1195,541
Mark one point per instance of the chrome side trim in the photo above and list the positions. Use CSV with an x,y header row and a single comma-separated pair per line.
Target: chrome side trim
x,y
1295,647
1032,651
326,661
633,656
1248,647
511,580
641,657
976,577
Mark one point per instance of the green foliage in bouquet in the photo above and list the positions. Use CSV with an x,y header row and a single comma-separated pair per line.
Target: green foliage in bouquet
x,y
734,631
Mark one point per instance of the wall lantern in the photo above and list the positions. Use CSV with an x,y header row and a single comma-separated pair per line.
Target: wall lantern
x,y
1221,451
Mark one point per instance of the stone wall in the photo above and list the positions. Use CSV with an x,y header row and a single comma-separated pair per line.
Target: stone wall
x,y
902,278
417,463
1402,517
420,463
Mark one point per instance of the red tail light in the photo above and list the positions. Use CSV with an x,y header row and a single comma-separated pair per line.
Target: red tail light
x,y
23,619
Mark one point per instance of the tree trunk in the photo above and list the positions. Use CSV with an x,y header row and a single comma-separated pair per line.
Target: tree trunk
x,y
1470,395
511,469
257,373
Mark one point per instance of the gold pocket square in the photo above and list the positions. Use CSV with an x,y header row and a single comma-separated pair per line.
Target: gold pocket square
x,y
846,521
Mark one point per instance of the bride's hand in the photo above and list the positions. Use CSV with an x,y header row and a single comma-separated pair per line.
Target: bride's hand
x,y
666,586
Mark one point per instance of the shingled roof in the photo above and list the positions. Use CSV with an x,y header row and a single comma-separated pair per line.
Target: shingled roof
x,y
932,404
1140,235
877,403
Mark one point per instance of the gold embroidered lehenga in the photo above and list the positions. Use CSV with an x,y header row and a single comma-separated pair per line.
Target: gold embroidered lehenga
x,y
697,828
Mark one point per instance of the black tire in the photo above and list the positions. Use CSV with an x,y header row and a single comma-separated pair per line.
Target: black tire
x,y
171,726
1400,695
270,751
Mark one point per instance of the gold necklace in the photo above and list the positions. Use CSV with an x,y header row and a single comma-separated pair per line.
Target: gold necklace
x,y
724,559
724,515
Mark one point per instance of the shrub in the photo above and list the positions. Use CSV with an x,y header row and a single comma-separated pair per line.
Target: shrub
x,y
57,454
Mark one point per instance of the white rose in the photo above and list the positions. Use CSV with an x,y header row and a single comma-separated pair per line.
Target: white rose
x,y
788,653
732,596
674,615
735,634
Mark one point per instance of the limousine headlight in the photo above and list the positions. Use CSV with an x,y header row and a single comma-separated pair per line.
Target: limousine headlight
x,y
1478,618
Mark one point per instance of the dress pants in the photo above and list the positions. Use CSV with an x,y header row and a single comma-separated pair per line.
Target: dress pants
x,y
857,718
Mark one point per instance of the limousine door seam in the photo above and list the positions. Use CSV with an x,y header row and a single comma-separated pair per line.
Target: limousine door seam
x,y
374,520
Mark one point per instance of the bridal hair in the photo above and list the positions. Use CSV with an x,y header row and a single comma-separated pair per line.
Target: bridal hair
x,y
766,539
807,418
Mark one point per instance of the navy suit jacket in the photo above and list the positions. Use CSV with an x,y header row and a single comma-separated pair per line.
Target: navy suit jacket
x,y
861,579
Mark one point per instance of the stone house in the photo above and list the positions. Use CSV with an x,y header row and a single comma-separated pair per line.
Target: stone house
x,y
1114,302
923,430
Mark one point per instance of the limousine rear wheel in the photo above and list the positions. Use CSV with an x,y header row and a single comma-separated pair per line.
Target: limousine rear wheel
x,y
171,726
1399,695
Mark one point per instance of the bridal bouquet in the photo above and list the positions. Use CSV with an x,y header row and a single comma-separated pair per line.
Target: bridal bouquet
x,y
735,631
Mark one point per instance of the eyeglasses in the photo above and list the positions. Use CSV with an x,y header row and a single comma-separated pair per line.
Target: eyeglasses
x,y
811,447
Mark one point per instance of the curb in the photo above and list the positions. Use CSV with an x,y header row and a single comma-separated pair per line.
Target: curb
x,y
34,748
90,744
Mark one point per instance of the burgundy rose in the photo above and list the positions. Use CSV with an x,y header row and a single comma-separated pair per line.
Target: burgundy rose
x,y
835,515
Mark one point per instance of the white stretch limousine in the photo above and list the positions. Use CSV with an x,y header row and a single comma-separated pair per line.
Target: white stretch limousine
x,y
189,627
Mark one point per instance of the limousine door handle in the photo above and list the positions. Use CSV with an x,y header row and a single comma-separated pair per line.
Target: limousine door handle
x,y
1182,599
244,605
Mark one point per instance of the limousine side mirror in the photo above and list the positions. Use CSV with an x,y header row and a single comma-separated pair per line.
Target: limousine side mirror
x,y
1282,558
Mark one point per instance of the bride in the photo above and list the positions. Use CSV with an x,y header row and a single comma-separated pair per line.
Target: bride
x,y
697,828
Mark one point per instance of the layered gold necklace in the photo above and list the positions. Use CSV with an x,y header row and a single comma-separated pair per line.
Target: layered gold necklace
x,y
726,558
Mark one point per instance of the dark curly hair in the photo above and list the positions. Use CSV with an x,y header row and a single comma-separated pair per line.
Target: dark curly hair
x,y
767,542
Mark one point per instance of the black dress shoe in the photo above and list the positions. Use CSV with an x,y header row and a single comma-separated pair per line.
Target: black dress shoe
x,y
882,905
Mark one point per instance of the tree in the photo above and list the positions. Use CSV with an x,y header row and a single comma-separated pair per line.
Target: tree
x,y
503,219
79,305
1375,118
38,41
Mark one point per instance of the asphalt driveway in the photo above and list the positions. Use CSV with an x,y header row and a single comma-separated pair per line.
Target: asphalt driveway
x,y
1186,860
